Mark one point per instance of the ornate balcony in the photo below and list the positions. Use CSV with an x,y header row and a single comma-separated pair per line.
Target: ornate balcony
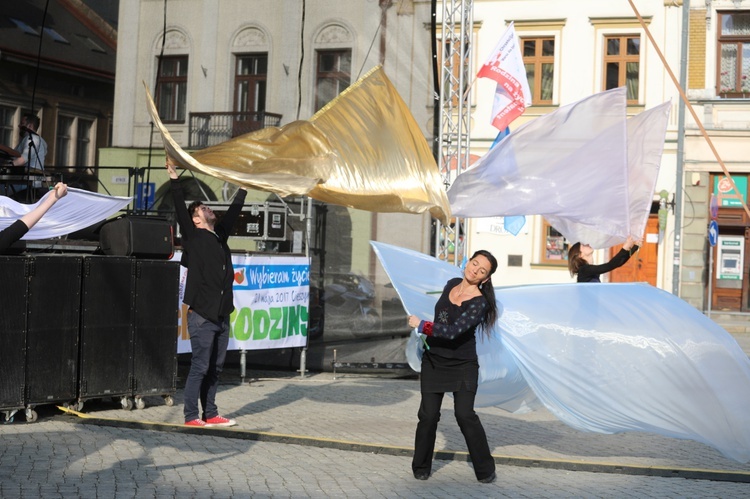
x,y
208,129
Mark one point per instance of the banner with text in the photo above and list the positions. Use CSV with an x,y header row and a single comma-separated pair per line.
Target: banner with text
x,y
271,295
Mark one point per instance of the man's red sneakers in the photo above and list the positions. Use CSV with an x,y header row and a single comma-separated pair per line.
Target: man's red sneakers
x,y
196,422
220,421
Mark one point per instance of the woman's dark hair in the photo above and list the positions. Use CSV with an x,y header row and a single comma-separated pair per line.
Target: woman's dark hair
x,y
575,260
489,294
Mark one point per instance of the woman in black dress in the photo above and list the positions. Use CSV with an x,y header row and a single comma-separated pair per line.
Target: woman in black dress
x,y
450,364
581,261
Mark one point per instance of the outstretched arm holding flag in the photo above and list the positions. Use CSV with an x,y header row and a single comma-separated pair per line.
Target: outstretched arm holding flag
x,y
21,226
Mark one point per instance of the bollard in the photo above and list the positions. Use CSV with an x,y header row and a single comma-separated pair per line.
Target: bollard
x,y
243,366
303,362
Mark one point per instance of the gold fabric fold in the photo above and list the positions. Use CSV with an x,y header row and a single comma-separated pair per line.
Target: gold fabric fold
x,y
363,150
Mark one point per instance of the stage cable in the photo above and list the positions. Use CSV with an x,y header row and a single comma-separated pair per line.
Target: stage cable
x,y
151,137
435,108
32,147
39,56
435,79
369,49
301,58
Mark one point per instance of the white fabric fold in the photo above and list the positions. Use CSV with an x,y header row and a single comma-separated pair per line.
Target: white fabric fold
x,y
77,210
585,167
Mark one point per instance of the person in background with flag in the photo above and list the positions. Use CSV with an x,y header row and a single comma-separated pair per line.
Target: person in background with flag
x,y
450,364
21,226
581,261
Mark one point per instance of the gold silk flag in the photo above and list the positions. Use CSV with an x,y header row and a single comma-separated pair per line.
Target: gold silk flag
x,y
363,150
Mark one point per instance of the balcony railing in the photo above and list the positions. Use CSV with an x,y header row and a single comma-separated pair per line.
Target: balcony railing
x,y
208,129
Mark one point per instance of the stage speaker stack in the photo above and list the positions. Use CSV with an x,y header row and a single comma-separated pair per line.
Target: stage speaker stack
x,y
140,237
157,301
54,306
13,331
106,352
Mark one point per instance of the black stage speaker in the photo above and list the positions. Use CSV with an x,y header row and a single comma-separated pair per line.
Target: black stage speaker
x,y
106,353
143,237
13,331
157,298
53,324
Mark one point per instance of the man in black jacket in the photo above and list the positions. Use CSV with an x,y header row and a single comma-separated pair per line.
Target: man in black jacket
x,y
208,294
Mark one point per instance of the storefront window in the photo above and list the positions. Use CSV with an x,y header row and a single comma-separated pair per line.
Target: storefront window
x,y
555,249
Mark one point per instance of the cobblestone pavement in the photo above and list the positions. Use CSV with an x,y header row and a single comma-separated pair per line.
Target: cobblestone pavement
x,y
345,436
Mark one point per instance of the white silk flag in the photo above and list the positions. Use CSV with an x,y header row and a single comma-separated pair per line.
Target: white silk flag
x,y
585,167
505,66
77,210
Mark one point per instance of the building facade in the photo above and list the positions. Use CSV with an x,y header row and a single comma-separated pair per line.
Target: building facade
x,y
573,50
63,71
220,68
283,60
714,274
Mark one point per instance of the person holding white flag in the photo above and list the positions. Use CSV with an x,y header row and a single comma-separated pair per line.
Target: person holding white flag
x,y
581,261
505,66
17,229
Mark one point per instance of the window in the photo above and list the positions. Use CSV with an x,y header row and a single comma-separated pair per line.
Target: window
x,y
249,93
6,125
622,64
734,54
83,142
555,249
74,141
24,27
539,59
63,140
56,36
333,75
250,83
91,44
171,89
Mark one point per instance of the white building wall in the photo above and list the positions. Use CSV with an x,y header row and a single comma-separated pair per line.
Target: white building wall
x,y
578,27
212,31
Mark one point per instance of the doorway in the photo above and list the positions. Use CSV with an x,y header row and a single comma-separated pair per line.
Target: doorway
x,y
643,265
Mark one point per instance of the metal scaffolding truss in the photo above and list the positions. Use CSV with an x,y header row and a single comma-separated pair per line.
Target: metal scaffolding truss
x,y
455,96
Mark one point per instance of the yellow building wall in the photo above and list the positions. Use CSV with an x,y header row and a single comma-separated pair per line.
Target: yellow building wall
x,y
697,49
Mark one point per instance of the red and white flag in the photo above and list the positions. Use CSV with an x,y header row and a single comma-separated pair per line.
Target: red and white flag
x,y
505,66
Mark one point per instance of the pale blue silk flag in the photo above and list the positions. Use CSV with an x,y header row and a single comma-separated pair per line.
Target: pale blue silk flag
x,y
605,358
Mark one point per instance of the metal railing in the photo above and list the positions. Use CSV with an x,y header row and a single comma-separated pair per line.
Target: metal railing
x,y
208,129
